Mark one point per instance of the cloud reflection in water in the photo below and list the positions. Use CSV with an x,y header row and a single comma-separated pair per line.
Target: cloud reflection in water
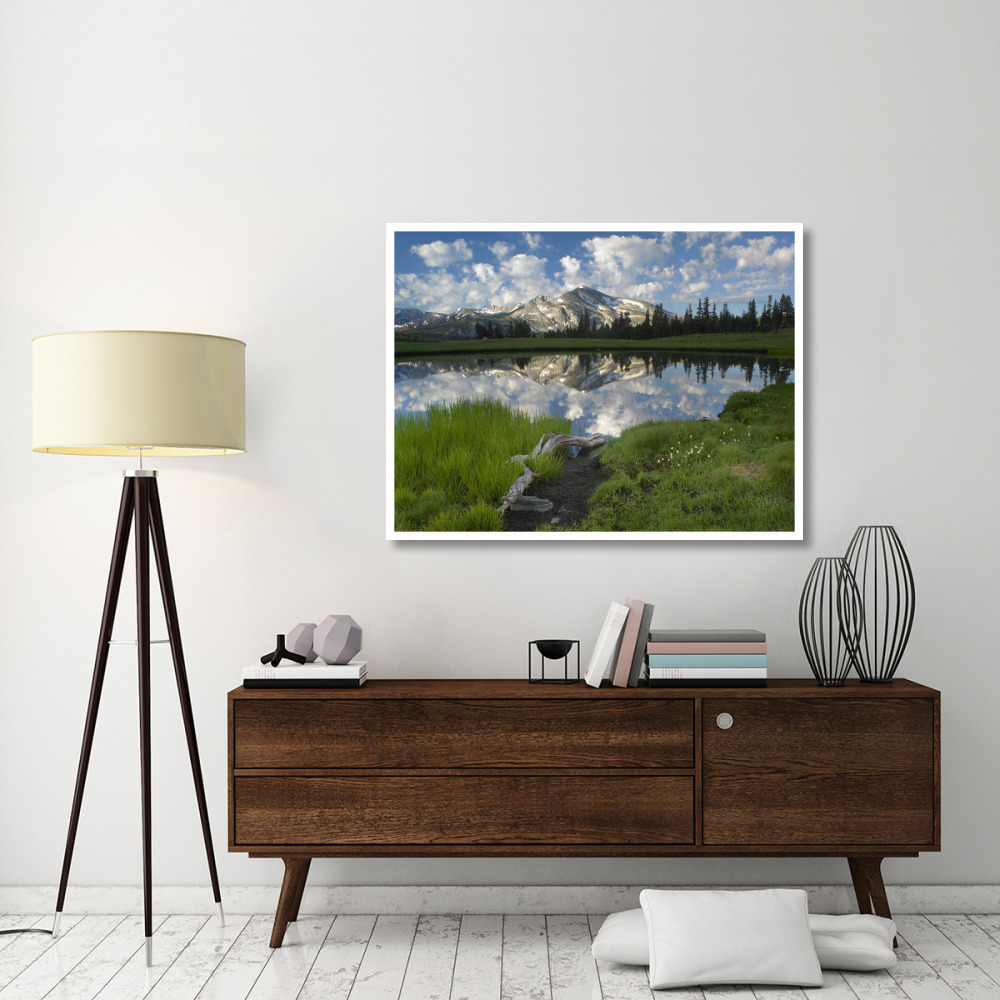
x,y
624,398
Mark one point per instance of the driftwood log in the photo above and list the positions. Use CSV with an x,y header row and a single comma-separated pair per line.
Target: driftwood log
x,y
546,445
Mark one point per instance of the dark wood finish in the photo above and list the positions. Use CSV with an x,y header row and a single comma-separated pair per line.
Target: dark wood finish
x,y
292,887
118,554
165,578
139,509
143,638
804,771
464,733
456,808
869,889
498,769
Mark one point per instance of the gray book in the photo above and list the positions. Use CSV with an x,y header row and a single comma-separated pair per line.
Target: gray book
x,y
706,635
638,656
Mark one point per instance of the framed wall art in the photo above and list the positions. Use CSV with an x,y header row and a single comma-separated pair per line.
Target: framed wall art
x,y
554,382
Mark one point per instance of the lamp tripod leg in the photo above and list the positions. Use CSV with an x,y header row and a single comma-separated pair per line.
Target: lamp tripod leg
x,y
183,689
125,513
142,622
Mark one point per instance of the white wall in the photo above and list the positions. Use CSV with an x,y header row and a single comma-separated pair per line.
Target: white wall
x,y
229,168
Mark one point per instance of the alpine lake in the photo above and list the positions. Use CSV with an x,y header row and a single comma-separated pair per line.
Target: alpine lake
x,y
599,393
654,458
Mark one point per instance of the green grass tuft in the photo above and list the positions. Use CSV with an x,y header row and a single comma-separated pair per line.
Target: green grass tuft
x,y
736,473
453,463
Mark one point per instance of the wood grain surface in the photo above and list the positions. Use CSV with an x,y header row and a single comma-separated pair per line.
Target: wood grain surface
x,y
802,771
465,809
488,732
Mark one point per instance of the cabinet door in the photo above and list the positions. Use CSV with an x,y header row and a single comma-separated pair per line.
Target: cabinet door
x,y
819,772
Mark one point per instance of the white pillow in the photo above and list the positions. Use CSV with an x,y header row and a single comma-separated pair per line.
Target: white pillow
x,y
623,938
860,942
714,936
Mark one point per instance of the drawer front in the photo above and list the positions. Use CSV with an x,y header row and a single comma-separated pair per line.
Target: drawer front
x,y
802,771
341,733
455,809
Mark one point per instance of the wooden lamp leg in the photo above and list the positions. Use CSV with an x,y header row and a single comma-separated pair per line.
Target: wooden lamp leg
x,y
125,513
140,508
180,673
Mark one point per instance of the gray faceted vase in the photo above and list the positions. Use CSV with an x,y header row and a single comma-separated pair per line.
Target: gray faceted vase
x,y
337,639
300,640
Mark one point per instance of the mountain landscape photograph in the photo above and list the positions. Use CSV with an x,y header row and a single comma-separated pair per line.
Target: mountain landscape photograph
x,y
571,382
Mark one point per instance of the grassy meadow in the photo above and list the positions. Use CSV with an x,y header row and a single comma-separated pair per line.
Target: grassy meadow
x,y
453,463
735,473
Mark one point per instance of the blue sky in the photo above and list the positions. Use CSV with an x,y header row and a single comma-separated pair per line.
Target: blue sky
x,y
444,270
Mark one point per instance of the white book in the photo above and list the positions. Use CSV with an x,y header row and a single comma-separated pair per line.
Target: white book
x,y
707,673
604,655
306,671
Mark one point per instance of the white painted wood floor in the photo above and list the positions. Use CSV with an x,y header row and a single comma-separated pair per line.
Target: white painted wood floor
x,y
432,958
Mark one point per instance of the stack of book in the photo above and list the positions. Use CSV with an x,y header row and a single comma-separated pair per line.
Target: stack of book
x,y
619,654
707,658
306,675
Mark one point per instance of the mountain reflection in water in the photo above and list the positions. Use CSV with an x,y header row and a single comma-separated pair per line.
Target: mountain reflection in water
x,y
600,393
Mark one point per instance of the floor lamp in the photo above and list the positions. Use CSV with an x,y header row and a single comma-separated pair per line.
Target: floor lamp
x,y
139,393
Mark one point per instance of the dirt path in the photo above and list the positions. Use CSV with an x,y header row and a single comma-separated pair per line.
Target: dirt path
x,y
569,494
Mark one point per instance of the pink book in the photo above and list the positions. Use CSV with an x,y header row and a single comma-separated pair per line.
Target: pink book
x,y
630,637
706,647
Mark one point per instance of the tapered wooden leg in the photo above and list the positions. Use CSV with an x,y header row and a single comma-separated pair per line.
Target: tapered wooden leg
x,y
180,673
294,882
866,873
861,888
125,512
145,756
297,901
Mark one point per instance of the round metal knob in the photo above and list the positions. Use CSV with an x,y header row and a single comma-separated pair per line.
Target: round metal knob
x,y
724,720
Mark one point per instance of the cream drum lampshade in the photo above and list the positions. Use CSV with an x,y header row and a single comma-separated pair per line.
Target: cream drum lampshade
x,y
113,392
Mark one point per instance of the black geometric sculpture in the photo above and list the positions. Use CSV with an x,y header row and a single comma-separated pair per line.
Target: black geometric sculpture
x,y
554,649
279,653
884,578
830,616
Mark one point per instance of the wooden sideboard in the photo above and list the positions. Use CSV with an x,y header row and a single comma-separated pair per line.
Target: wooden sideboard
x,y
466,768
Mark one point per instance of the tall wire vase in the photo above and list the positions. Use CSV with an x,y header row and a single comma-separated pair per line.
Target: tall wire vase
x,y
830,615
889,597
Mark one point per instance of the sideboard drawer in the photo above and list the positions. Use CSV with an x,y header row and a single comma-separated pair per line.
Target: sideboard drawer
x,y
484,808
819,771
449,733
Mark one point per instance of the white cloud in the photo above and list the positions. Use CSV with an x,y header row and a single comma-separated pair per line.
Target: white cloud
x,y
485,273
570,271
534,240
440,254
624,253
754,253
648,291
501,249
619,264
524,265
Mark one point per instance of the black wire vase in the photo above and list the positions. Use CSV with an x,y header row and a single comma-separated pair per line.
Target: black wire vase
x,y
830,615
880,567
